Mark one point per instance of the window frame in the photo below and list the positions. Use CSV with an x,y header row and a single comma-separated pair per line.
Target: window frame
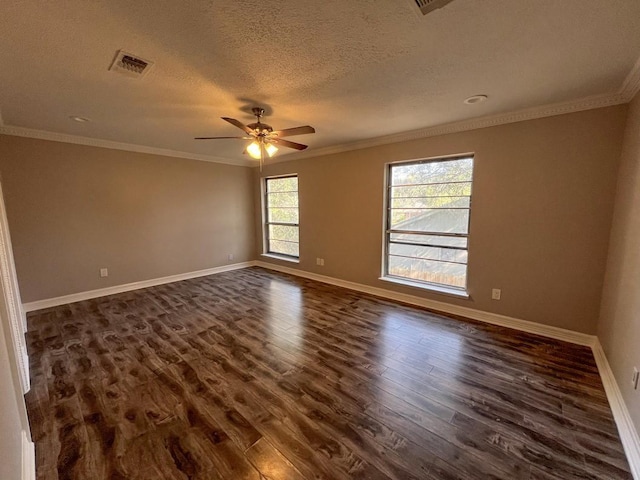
x,y
265,220
388,231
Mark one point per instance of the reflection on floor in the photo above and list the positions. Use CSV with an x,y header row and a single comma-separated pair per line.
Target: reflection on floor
x,y
256,374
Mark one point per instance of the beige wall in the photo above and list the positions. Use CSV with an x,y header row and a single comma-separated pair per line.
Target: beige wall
x,y
542,205
619,326
73,209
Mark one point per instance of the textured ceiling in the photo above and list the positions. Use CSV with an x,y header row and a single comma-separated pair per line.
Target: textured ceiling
x,y
353,69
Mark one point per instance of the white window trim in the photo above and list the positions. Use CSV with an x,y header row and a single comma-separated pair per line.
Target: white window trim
x,y
284,258
434,287
265,224
423,285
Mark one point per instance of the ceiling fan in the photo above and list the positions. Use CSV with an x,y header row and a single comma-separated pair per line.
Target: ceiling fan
x,y
265,139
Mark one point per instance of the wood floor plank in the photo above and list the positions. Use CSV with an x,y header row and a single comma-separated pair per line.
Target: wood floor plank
x,y
463,448
271,463
253,374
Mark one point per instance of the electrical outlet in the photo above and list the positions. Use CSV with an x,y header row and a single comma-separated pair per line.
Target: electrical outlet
x,y
104,272
634,379
496,293
231,256
320,261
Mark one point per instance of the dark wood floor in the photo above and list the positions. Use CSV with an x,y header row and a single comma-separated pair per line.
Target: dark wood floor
x,y
260,375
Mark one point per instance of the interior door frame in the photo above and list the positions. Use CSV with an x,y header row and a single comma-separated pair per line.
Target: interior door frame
x,y
14,321
12,305
14,326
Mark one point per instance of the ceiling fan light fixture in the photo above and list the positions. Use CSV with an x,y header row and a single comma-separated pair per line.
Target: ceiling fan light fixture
x,y
254,150
271,149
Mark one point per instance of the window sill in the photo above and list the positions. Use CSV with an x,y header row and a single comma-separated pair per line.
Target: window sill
x,y
454,292
284,258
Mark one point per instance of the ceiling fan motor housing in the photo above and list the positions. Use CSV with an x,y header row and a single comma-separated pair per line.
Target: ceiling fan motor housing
x,y
260,128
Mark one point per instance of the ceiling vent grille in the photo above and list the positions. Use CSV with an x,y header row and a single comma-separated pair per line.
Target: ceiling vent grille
x,y
427,6
130,65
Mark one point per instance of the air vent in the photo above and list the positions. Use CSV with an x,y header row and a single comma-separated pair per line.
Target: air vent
x,y
427,6
130,65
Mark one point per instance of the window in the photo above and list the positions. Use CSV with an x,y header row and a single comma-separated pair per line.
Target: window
x,y
427,231
281,216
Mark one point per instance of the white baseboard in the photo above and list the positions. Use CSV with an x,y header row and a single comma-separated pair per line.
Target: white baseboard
x,y
103,292
626,428
487,317
28,458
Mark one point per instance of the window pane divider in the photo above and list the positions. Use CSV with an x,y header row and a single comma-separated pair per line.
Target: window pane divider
x,y
429,208
422,232
425,184
395,197
426,259
398,242
283,224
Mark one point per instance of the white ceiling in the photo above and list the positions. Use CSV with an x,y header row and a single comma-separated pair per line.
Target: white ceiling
x,y
353,69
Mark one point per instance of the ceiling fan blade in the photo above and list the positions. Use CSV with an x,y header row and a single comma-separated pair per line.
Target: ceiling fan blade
x,y
287,143
238,124
289,132
218,138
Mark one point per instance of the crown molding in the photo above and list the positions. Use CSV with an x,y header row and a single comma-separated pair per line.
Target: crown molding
x,y
561,108
129,147
631,85
624,95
